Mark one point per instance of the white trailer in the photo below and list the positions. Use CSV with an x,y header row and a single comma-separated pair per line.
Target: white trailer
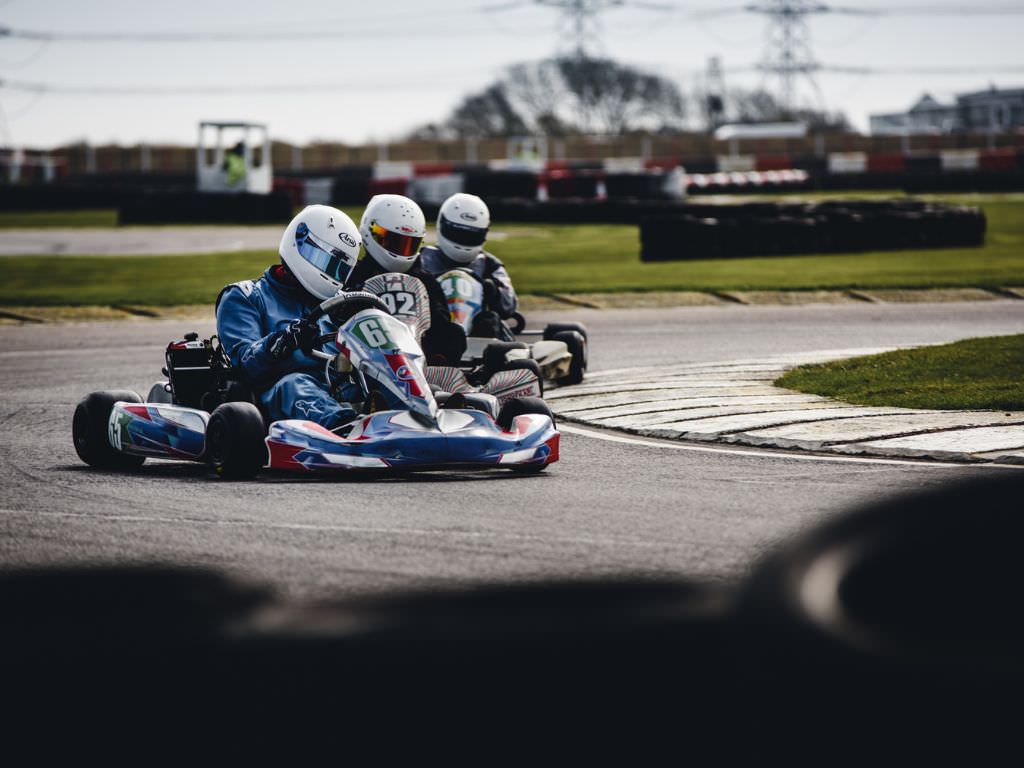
x,y
234,157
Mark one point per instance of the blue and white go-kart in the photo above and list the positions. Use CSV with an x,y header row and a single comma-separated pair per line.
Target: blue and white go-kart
x,y
408,424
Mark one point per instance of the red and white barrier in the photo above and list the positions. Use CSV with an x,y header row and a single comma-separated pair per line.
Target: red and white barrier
x,y
847,162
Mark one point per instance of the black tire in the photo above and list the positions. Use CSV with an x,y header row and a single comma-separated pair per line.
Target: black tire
x,y
494,356
234,441
526,365
551,329
577,345
89,431
521,406
160,393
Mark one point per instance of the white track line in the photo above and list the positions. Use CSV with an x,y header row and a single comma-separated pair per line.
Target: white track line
x,y
775,454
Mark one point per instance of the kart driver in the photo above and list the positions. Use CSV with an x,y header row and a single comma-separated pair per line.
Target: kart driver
x,y
462,225
261,322
392,229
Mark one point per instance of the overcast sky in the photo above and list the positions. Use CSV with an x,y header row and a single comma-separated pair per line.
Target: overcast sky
x,y
394,64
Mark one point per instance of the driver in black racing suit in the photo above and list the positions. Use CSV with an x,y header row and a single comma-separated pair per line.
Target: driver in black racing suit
x,y
462,225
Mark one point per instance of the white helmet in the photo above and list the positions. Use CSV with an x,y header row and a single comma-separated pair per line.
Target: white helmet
x,y
462,225
392,227
320,247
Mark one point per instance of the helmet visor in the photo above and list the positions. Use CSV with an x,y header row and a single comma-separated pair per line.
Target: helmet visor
x,y
333,262
395,242
461,234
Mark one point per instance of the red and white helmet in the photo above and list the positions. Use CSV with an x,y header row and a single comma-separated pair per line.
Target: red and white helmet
x,y
321,247
462,225
392,228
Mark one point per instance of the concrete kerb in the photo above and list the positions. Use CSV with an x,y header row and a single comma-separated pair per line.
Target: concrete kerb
x,y
560,301
734,402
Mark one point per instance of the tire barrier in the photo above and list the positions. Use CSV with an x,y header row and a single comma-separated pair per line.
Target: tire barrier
x,y
500,185
206,208
862,633
767,229
95,191
565,185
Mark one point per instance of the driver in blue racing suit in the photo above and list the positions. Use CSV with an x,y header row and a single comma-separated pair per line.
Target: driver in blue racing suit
x,y
261,322
462,225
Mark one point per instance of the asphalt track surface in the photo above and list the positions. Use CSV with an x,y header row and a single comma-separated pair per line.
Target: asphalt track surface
x,y
608,507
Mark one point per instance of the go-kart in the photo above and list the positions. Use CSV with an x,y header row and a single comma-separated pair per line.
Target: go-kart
x,y
560,355
205,413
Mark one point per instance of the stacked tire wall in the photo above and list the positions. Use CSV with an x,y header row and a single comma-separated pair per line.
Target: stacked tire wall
x,y
719,232
198,207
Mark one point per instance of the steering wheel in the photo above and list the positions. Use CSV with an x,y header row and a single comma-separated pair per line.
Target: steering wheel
x,y
343,306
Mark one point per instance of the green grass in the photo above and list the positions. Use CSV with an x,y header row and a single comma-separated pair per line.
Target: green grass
x,y
91,219
971,374
547,259
58,219
155,280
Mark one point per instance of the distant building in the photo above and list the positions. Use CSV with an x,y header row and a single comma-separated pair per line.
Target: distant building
x,y
996,110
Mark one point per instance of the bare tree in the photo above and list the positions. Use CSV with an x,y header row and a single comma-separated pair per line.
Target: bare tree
x,y
759,106
570,94
489,113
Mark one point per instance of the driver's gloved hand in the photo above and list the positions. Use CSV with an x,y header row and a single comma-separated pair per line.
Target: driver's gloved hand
x,y
491,297
300,334
487,325
444,342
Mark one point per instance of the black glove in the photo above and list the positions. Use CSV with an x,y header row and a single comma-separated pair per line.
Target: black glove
x,y
492,299
443,343
300,334
487,325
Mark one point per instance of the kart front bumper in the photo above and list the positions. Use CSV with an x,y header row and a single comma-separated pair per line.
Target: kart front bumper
x,y
395,440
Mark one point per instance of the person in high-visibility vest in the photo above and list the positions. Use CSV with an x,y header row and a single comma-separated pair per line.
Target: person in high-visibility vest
x,y
234,164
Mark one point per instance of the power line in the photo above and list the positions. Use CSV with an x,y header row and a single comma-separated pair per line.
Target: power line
x,y
434,81
580,18
284,32
788,55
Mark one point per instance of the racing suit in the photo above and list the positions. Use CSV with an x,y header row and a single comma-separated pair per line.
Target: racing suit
x,y
251,316
444,342
500,297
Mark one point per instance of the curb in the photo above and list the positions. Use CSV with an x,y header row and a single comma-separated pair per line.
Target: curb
x,y
564,301
735,402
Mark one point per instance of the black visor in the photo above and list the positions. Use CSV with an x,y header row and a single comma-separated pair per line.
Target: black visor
x,y
461,234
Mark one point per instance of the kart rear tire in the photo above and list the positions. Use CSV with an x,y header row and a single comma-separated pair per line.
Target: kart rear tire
x,y
577,345
520,407
553,328
91,436
234,441
526,365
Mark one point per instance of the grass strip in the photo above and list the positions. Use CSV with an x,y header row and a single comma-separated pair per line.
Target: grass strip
x,y
973,374
549,259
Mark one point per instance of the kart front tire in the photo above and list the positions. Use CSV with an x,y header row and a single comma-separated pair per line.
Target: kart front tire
x,y
90,431
553,328
234,441
577,345
160,393
520,407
